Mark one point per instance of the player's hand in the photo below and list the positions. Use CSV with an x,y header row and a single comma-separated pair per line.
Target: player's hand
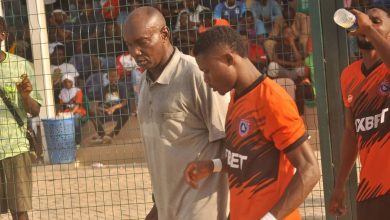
x,y
337,204
364,22
24,86
198,170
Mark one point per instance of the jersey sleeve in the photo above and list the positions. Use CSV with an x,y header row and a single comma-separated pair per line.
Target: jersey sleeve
x,y
283,124
343,84
218,11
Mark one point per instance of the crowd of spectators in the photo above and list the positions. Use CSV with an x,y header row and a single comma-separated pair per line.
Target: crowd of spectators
x,y
86,45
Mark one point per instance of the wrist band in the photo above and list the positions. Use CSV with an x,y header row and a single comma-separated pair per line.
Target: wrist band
x,y
268,216
217,165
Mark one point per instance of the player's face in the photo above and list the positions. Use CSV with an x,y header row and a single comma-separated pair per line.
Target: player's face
x,y
218,74
381,22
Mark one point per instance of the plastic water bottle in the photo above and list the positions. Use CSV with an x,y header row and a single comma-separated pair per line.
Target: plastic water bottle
x,y
345,19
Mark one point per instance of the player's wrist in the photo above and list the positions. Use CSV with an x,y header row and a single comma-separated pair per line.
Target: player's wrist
x,y
217,165
268,216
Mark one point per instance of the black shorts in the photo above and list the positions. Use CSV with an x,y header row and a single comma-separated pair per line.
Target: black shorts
x,y
375,209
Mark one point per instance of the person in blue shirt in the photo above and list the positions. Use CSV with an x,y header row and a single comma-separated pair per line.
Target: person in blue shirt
x,y
230,10
267,11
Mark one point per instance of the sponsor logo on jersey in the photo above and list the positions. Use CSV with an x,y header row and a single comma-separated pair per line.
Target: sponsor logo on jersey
x,y
235,160
370,122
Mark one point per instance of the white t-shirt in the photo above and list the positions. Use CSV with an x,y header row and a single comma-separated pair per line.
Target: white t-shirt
x,y
64,69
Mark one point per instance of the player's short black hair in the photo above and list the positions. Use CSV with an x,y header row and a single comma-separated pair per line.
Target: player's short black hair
x,y
3,25
221,36
383,8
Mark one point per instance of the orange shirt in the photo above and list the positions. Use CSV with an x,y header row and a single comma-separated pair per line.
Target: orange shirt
x,y
368,99
78,99
261,126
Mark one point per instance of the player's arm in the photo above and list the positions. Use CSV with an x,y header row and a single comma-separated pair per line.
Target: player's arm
x,y
305,178
366,28
349,153
198,170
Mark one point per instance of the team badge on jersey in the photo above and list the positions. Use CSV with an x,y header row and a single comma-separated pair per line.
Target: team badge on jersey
x,y
244,127
384,87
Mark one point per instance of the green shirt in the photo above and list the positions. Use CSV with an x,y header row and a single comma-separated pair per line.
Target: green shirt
x,y
12,137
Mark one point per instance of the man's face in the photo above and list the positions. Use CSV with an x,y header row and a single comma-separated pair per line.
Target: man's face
x,y
59,17
191,5
113,77
249,22
381,22
68,84
231,2
58,56
146,45
217,73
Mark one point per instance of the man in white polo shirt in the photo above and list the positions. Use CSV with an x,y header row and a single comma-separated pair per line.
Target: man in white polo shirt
x,y
181,119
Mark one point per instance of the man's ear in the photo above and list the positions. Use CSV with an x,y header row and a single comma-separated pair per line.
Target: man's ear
x,y
165,33
229,59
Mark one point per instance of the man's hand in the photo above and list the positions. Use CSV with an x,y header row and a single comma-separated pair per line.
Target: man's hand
x,y
198,170
337,204
110,111
364,22
24,87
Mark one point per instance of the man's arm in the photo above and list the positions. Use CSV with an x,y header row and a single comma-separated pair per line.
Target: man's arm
x,y
380,43
30,105
349,153
305,178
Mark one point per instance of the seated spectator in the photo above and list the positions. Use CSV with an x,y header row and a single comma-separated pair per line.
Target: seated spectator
x,y
22,49
230,10
253,26
191,11
129,72
267,11
126,6
110,45
256,53
187,24
299,23
94,86
113,107
60,30
86,64
71,100
90,26
110,9
59,67
288,60
207,21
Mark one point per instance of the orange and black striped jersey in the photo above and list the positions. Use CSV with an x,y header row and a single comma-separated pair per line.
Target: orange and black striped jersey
x,y
367,96
261,126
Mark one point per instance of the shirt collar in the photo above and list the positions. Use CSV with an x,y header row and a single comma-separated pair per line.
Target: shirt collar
x,y
169,69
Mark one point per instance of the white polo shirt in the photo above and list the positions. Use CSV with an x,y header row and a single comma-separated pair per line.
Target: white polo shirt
x,y
181,120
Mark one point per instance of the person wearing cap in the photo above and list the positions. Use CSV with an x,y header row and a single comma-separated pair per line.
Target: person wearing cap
x,y
18,84
58,27
206,21
114,107
70,101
